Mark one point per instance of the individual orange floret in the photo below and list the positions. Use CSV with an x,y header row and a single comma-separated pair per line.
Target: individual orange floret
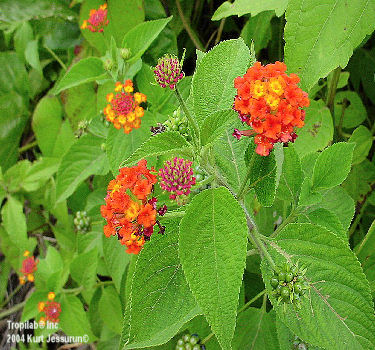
x,y
271,103
97,20
123,108
29,266
130,209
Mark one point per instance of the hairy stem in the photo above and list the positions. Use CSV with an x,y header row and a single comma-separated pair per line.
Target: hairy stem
x,y
11,295
28,146
332,89
12,310
242,189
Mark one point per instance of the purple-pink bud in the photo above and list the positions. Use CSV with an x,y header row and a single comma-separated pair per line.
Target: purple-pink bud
x,y
168,71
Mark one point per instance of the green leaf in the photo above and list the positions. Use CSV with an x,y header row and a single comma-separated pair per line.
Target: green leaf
x,y
263,175
255,329
166,143
22,36
257,30
32,55
73,318
39,173
291,176
216,124
160,302
116,259
320,38
242,7
326,219
47,112
213,268
318,130
84,71
362,137
30,310
83,159
338,311
355,112
139,38
332,166
308,195
110,309
123,16
83,271
14,222
121,146
213,81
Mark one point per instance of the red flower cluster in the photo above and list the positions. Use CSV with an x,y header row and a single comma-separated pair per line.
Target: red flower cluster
x,y
123,109
129,210
270,102
29,266
97,20
51,309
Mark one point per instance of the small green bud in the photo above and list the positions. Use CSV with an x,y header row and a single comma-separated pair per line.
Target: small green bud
x,y
285,293
108,64
180,342
194,340
188,346
297,288
186,338
289,277
196,347
103,146
180,347
274,282
282,276
125,53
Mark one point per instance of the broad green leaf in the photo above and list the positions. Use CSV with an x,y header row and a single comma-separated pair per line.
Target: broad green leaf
x,y
73,318
308,195
362,137
318,130
121,146
263,175
84,71
255,329
50,274
354,113
14,222
83,271
338,311
116,259
110,309
332,166
160,302
139,38
213,268
39,173
257,30
320,38
32,55
83,159
93,315
213,81
338,201
291,176
326,219
22,36
242,7
123,15
47,112
30,310
166,143
216,125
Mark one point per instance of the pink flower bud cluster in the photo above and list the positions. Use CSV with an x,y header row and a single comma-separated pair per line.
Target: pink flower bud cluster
x,y
168,71
177,177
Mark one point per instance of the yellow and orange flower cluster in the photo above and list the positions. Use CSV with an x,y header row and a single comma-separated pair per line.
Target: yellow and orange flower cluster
x,y
51,309
271,103
29,266
97,19
123,108
129,211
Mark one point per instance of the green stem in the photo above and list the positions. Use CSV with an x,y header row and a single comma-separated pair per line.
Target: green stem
x,y
358,218
57,58
288,220
242,189
344,105
28,146
11,296
370,232
242,309
73,290
192,123
173,214
332,89
193,36
12,310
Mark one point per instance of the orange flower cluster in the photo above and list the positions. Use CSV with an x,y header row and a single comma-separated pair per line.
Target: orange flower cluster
x,y
97,20
51,309
29,266
270,102
123,109
129,212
